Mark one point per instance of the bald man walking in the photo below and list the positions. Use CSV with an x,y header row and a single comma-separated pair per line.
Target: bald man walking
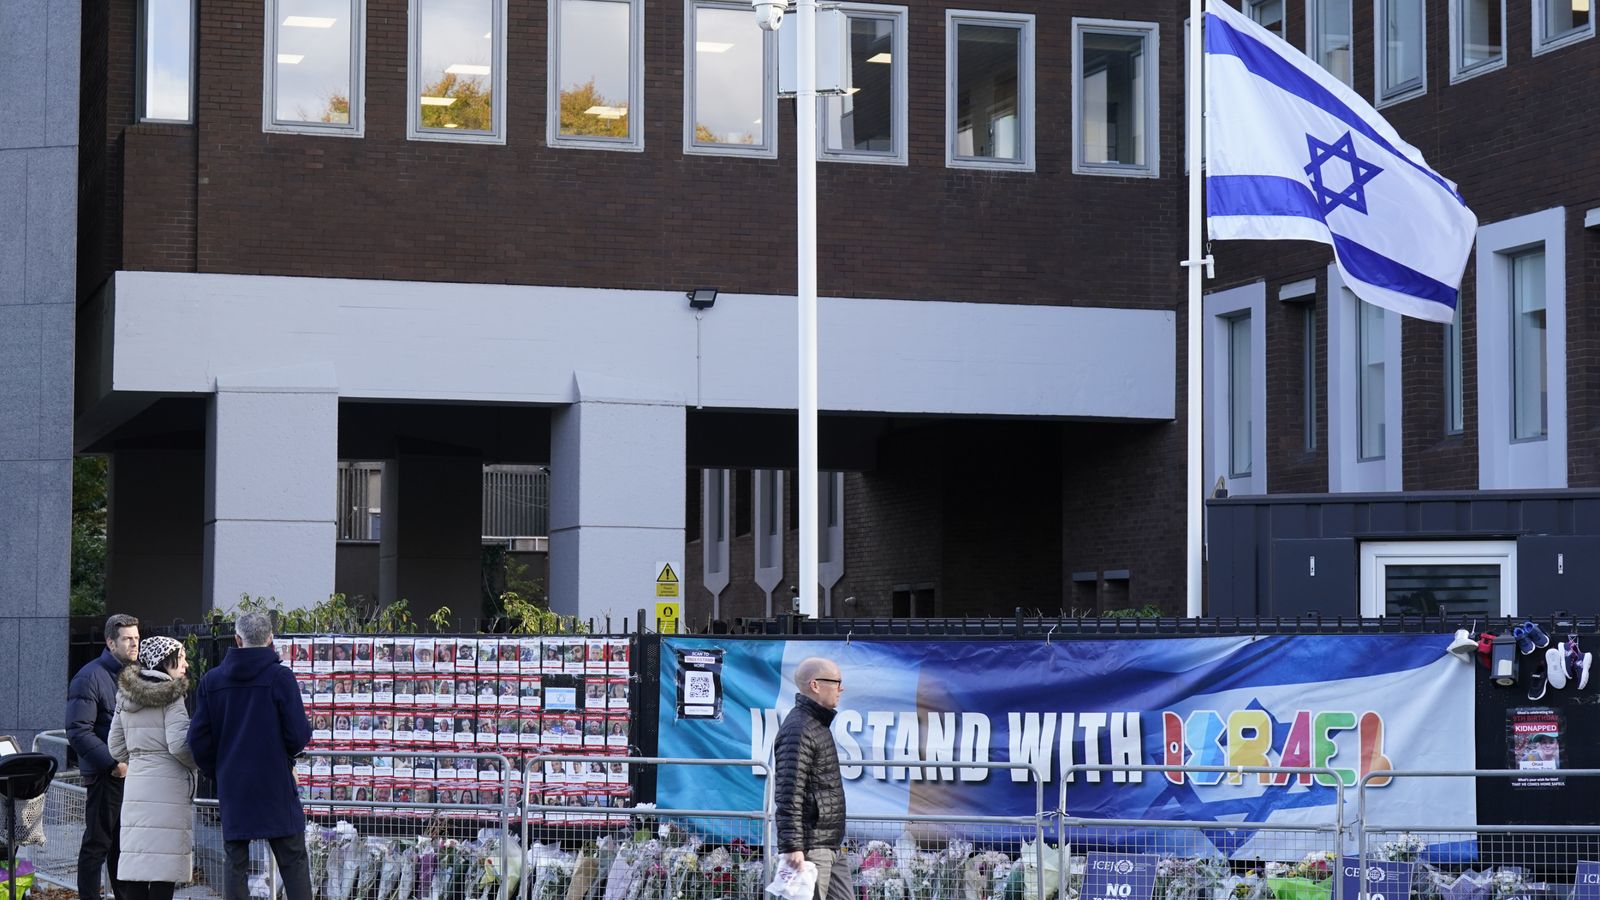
x,y
809,792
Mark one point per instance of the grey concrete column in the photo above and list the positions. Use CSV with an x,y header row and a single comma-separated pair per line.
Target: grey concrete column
x,y
38,262
616,505
155,534
431,545
272,442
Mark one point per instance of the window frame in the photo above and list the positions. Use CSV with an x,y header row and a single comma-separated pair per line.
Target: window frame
x,y
356,127
1455,415
1459,71
1377,556
1347,473
899,127
1025,25
1366,312
414,129
1504,463
1412,89
141,68
716,526
634,143
767,147
1151,33
1314,36
1252,7
1543,43
1514,259
1220,309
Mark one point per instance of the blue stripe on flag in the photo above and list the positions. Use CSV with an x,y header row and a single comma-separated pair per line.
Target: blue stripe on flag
x,y
1270,195
1374,268
1260,195
1263,61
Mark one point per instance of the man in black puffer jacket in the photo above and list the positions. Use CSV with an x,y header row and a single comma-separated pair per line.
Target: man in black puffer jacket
x,y
91,702
809,793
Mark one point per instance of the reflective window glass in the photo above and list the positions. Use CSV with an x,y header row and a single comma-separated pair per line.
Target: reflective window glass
x,y
1113,99
1529,389
168,59
730,78
1402,47
988,118
1331,41
594,68
313,68
863,119
456,51
1480,40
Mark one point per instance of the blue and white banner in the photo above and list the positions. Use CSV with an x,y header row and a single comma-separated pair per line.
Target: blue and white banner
x,y
1354,704
1292,153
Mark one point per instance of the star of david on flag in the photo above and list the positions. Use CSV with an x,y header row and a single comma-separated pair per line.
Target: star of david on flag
x,y
1292,153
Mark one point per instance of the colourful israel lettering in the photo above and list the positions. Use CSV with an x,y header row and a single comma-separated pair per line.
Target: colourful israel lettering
x,y
1245,739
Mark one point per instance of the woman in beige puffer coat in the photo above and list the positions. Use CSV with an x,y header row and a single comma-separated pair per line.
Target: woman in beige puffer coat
x,y
150,732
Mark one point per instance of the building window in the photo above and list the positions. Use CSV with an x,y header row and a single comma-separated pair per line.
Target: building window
x,y
1401,46
868,122
1455,421
166,64
1557,23
1235,365
457,69
989,90
1328,36
714,544
730,99
1521,317
1453,579
1529,391
1239,390
1266,13
1114,97
1477,37
597,67
1371,358
314,57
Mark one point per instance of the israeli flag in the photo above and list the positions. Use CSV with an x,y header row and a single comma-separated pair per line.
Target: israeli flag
x,y
1294,154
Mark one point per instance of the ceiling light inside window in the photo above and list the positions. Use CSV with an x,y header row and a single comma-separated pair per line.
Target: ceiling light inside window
x,y
880,58
606,112
290,59
438,101
451,125
467,69
487,35
711,47
854,90
308,22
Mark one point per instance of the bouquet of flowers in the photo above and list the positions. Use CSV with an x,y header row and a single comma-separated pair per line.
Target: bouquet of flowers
x,y
949,870
552,870
1178,878
343,861
1307,879
986,875
1507,881
1405,848
498,851
1248,886
880,876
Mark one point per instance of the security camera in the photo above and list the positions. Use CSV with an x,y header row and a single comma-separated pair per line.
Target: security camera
x,y
769,13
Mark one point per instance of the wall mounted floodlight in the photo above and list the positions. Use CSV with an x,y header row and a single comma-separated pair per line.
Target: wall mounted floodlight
x,y
702,298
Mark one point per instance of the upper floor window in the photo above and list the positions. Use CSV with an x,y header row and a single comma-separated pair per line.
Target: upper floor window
x,y
457,70
1234,362
1557,23
597,71
1266,13
1455,418
1328,36
1402,42
989,91
314,59
166,63
868,122
1114,97
730,104
1370,366
1240,424
1529,392
1477,37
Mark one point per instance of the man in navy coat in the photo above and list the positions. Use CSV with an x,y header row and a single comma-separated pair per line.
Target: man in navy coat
x,y
248,726
91,701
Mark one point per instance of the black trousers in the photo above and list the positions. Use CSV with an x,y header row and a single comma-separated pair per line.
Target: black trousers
x,y
293,865
149,890
102,823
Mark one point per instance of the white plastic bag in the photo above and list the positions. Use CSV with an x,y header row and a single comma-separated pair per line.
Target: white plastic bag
x,y
789,883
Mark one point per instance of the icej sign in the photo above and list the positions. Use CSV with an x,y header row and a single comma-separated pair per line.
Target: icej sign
x,y
1352,704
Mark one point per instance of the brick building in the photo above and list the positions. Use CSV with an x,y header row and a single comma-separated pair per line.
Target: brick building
x,y
449,234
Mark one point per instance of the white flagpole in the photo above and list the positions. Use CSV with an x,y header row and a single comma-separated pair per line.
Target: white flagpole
x,y
1194,482
806,157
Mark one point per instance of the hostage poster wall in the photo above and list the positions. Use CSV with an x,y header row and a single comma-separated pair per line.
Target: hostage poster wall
x,y
1355,704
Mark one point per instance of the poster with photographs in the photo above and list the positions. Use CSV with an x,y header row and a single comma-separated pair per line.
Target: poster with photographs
x,y
422,723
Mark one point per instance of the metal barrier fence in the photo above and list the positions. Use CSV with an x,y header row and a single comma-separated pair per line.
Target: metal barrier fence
x,y
554,848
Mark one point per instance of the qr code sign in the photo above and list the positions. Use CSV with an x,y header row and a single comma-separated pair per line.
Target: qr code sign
x,y
697,687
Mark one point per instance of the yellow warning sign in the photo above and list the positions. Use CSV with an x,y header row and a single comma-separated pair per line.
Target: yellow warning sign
x,y
666,581
667,617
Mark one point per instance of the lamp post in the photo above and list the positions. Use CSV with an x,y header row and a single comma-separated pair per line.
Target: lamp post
x,y
769,15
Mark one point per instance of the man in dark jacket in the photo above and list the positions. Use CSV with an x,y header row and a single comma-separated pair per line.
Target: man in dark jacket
x,y
248,726
91,701
809,794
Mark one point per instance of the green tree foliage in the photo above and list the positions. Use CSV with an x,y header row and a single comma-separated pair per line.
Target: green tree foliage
x,y
337,111
472,111
576,120
704,135
88,591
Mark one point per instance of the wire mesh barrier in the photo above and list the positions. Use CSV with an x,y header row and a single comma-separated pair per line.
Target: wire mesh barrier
x,y
1191,859
1483,861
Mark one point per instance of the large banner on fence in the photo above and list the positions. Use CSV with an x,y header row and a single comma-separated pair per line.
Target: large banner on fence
x,y
1355,704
